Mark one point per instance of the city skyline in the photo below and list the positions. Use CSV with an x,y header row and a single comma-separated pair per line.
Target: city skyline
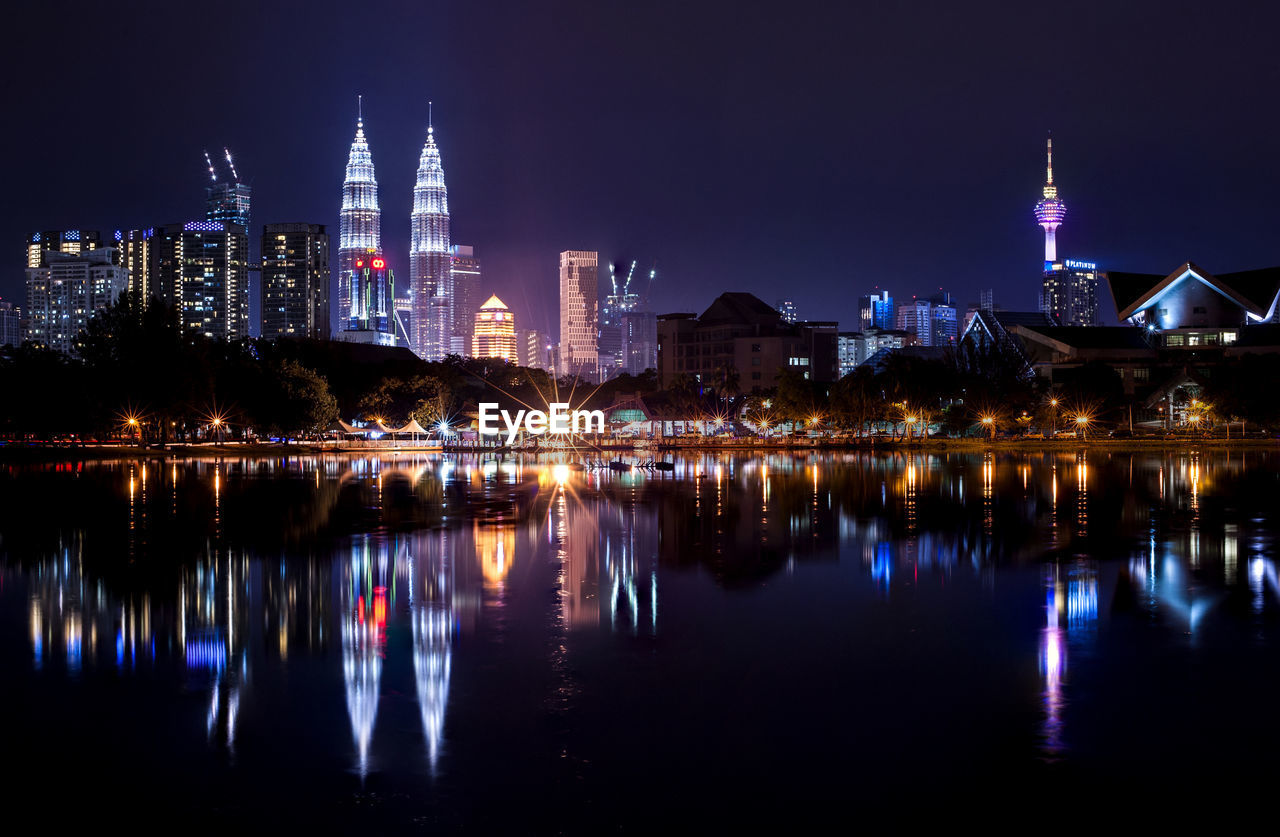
x,y
838,129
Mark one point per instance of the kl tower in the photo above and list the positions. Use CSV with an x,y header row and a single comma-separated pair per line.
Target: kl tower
x,y
1049,213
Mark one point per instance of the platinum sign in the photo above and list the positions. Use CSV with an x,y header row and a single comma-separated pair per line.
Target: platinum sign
x,y
558,419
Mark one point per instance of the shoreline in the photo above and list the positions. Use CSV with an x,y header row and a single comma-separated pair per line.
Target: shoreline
x,y
36,453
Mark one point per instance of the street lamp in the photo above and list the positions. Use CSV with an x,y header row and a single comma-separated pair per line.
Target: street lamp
x,y
217,426
990,423
911,426
1053,402
1082,423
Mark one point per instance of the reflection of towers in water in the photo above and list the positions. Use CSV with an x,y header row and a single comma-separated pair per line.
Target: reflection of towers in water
x,y
71,621
213,630
988,491
364,622
370,577
1071,611
431,593
1082,494
631,569
576,528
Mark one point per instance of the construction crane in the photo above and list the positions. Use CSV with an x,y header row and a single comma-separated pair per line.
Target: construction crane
x,y
613,279
232,165
213,175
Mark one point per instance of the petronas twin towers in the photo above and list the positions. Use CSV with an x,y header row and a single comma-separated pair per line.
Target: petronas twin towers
x,y
431,289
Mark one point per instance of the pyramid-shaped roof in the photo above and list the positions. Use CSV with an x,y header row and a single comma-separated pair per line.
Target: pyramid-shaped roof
x,y
494,302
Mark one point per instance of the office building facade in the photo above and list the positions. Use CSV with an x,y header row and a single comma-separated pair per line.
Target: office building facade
x,y
579,313
494,333
876,311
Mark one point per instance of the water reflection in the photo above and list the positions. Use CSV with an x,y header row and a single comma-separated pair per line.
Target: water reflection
x,y
420,566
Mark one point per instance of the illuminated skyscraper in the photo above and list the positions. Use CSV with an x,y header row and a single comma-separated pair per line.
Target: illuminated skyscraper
x,y
360,224
876,311
1070,292
1069,289
464,273
430,280
623,299
295,281
579,313
1049,213
495,332
202,267
372,315
227,199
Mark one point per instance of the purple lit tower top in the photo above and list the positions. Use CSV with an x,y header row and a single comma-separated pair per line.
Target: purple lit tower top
x,y
1049,213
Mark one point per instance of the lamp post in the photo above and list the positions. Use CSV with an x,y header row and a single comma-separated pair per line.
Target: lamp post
x,y
1082,424
217,428
989,422
1053,403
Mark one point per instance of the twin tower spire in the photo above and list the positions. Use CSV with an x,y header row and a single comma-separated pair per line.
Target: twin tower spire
x,y
360,235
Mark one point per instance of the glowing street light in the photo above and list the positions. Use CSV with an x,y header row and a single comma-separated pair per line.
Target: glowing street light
x,y
990,423
1082,422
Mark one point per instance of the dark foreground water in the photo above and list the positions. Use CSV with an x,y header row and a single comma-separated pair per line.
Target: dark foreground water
x,y
478,645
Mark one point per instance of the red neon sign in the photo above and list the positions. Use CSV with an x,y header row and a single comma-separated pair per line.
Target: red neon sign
x,y
359,263
379,264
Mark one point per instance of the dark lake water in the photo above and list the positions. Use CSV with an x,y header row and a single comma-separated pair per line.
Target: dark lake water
x,y
479,645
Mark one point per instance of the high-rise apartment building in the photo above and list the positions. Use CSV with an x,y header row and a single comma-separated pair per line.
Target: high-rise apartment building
x,y
579,313
430,277
933,321
201,268
139,256
72,242
494,334
464,277
360,222
295,281
66,290
10,324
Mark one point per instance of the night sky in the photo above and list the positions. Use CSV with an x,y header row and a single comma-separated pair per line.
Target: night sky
x,y
809,150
